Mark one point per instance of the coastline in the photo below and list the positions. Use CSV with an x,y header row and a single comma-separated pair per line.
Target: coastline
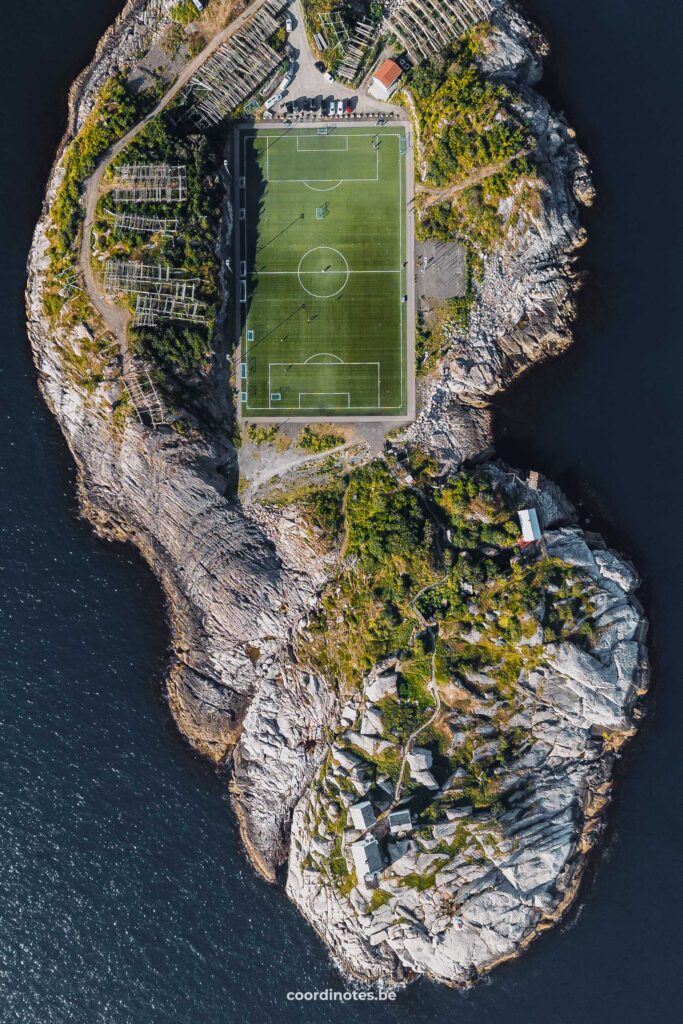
x,y
294,569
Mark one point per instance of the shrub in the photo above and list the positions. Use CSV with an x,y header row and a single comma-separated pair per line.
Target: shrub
x,y
114,113
262,435
184,12
379,898
313,441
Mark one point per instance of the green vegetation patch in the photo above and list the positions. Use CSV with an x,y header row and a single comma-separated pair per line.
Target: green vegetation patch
x,y
433,582
449,558
179,350
466,121
379,898
262,435
471,135
426,881
316,441
184,12
115,112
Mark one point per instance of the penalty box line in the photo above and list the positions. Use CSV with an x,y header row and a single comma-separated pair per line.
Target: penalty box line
x,y
304,181
325,363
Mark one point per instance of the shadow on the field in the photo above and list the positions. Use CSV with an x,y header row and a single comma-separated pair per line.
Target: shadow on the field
x,y
253,249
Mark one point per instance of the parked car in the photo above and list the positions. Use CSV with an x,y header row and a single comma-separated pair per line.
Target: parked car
x,y
349,106
307,105
269,104
340,107
320,66
285,83
329,76
331,107
289,24
315,104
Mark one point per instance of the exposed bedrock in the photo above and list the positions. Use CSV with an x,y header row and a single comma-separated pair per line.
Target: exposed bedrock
x,y
241,582
473,889
526,296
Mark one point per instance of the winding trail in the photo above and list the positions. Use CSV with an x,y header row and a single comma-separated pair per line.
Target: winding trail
x,y
437,195
116,317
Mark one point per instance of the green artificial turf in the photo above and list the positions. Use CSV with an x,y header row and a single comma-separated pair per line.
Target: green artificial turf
x,y
322,241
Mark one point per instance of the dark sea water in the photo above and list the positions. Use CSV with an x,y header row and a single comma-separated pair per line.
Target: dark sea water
x,y
124,895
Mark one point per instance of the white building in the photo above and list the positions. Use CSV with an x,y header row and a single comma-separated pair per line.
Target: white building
x,y
528,522
384,80
400,822
362,815
367,858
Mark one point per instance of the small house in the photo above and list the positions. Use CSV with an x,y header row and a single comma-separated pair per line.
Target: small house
x,y
385,79
529,525
367,858
362,815
400,822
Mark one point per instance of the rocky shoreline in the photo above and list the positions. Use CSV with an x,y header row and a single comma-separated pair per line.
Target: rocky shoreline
x,y
242,580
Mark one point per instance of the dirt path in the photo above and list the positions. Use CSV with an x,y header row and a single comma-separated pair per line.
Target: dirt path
x,y
116,317
434,690
437,195
283,463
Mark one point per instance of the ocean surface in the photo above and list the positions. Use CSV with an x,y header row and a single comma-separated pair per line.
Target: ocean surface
x,y
124,895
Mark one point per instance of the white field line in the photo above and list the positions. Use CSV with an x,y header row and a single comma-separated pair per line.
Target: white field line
x,y
281,405
323,149
360,408
328,273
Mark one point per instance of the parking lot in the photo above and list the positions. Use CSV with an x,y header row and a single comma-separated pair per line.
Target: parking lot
x,y
310,92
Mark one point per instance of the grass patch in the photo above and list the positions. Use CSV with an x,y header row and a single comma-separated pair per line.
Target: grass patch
x,y
312,440
262,435
471,132
379,898
423,882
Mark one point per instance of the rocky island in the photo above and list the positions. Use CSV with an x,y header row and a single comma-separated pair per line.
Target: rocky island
x,y
418,666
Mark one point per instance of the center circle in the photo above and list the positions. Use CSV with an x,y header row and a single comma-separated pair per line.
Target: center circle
x,y
323,272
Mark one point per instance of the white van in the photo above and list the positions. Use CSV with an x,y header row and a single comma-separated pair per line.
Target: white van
x,y
269,104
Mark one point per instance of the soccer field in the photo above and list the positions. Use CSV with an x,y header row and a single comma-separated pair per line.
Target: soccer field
x,y
323,272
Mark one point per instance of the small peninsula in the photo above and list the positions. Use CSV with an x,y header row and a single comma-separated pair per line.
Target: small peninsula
x,y
289,254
